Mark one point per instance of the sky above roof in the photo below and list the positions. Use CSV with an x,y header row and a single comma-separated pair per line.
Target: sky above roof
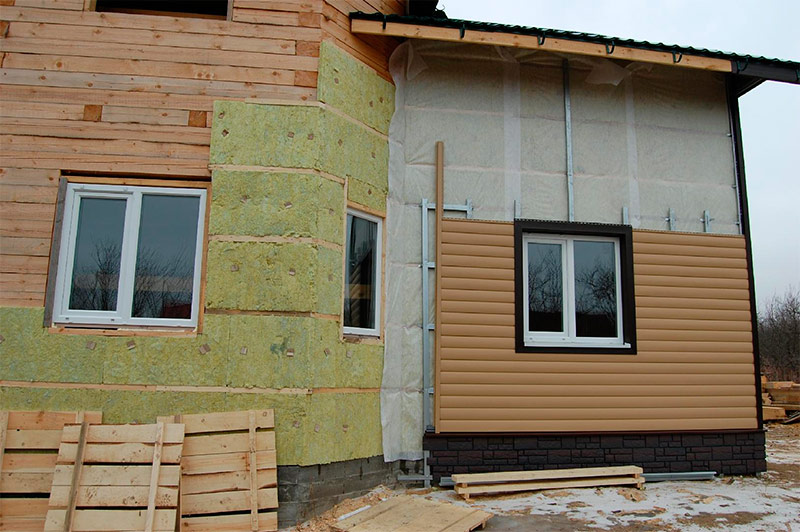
x,y
770,113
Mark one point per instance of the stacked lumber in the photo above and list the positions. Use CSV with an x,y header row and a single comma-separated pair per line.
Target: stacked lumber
x,y
228,471
413,514
29,444
515,481
116,477
778,398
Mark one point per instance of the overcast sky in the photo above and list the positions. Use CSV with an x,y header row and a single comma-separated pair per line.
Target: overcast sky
x,y
770,113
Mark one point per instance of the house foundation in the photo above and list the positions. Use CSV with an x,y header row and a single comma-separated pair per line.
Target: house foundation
x,y
727,453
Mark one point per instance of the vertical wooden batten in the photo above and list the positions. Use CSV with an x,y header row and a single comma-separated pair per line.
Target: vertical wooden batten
x,y
438,311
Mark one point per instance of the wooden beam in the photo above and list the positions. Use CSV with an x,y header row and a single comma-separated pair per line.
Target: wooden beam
x,y
531,42
438,312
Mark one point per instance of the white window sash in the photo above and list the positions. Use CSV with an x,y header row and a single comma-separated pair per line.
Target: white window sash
x,y
570,338
130,240
363,331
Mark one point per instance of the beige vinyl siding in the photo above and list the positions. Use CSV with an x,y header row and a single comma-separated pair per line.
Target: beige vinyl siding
x,y
694,366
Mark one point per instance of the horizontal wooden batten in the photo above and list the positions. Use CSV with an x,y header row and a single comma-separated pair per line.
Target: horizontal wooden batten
x,y
533,42
694,365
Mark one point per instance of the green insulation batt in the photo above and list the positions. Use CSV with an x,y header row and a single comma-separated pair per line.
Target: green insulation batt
x,y
354,88
289,136
243,352
240,351
310,429
274,276
276,204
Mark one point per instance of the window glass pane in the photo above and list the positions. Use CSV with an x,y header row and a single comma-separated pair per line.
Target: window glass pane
x,y
545,288
359,301
165,257
595,289
98,249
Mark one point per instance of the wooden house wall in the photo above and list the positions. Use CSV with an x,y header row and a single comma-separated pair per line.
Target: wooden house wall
x,y
693,370
119,93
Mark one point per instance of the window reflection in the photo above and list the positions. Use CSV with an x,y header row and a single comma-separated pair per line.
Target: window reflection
x,y
165,257
595,289
98,250
545,288
360,274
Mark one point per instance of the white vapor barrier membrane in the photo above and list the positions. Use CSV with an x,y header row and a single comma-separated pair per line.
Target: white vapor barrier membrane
x,y
647,138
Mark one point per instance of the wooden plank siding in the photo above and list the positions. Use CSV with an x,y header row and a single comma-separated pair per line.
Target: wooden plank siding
x,y
694,366
123,93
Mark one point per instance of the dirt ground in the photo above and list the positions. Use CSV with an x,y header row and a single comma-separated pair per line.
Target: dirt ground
x,y
768,502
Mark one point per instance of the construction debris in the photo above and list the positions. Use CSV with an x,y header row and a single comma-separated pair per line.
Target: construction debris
x,y
779,399
514,481
204,472
414,514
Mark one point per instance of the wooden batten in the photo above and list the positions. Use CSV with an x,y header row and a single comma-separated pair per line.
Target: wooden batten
x,y
532,42
694,365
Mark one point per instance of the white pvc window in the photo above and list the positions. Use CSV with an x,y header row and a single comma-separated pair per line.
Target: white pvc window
x,y
362,285
130,256
572,291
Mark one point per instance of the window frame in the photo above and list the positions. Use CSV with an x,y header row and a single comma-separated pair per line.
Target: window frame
x,y
75,192
362,331
565,234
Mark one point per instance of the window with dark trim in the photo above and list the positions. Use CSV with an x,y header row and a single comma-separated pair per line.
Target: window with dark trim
x,y
574,287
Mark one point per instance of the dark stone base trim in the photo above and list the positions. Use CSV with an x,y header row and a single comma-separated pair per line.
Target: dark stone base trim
x,y
726,452
307,491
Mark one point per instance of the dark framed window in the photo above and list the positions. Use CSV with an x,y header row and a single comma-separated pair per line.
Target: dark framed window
x,y
574,287
217,9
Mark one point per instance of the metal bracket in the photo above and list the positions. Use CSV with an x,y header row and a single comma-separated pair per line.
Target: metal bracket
x,y
610,50
462,31
384,22
739,66
706,219
540,39
426,266
625,219
677,56
670,219
425,477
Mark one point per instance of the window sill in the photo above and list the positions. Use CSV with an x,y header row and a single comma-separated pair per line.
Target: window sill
x,y
577,349
351,338
134,331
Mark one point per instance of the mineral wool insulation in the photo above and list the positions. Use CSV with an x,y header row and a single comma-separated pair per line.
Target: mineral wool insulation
x,y
647,138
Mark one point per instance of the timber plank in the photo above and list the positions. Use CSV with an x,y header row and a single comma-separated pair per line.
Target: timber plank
x,y
171,39
97,497
407,513
28,450
228,468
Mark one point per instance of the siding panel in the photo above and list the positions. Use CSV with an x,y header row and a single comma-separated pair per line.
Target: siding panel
x,y
694,367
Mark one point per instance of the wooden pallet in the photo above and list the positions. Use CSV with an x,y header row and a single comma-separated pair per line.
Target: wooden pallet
x,y
116,477
228,471
773,413
414,514
514,481
29,443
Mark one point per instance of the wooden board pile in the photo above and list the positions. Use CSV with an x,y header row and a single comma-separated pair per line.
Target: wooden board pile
x,y
515,481
779,398
414,514
228,471
29,447
66,471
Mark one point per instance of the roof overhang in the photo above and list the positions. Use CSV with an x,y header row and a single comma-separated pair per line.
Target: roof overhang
x,y
750,71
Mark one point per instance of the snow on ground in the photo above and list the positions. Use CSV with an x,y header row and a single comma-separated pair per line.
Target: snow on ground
x,y
768,502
